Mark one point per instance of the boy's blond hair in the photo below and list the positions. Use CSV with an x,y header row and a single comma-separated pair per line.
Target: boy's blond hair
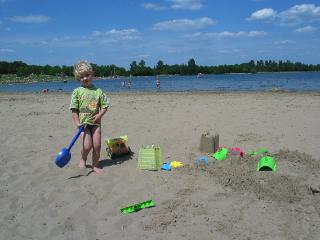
x,y
81,68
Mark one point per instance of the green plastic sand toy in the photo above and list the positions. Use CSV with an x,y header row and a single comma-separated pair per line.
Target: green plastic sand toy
x,y
221,154
267,164
150,158
137,207
260,151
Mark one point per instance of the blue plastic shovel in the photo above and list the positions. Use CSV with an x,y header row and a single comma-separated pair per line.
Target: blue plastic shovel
x,y
64,155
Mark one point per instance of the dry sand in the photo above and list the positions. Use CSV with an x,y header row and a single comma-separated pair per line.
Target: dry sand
x,y
223,200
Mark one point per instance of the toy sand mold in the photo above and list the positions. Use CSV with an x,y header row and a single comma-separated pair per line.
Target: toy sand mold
x,y
221,154
150,158
267,164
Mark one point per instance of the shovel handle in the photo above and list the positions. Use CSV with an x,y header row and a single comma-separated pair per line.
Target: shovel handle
x,y
76,137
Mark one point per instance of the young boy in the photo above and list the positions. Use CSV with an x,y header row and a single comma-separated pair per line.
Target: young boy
x,y
88,105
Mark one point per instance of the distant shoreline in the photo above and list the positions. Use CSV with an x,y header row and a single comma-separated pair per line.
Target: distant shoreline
x,y
13,79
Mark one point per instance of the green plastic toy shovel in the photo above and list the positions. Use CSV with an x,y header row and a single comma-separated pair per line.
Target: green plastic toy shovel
x,y
137,207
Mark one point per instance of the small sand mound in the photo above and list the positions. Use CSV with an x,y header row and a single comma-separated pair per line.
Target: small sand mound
x,y
239,174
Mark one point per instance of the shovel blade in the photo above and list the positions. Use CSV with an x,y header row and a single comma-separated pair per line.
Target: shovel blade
x,y
63,157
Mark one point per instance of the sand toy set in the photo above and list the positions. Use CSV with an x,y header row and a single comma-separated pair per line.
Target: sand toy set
x,y
117,146
266,163
151,158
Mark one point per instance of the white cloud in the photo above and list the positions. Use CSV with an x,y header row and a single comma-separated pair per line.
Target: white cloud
x,y
141,56
152,6
115,35
6,50
263,14
30,19
184,24
125,34
294,15
187,4
229,50
284,42
96,38
299,13
305,29
227,34
62,39
253,34
96,34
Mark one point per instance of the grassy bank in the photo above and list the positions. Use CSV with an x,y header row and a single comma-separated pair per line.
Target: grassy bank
x,y
13,78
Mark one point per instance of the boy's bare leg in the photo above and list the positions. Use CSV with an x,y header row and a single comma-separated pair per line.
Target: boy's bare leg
x,y
96,140
86,147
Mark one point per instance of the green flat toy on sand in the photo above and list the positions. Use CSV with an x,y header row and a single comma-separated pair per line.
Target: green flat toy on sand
x,y
137,207
260,151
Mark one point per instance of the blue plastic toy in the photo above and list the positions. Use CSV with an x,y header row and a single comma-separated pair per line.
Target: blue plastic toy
x,y
64,155
166,167
203,159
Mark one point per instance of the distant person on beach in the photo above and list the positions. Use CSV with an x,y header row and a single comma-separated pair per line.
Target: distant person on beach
x,y
123,83
129,84
158,83
88,105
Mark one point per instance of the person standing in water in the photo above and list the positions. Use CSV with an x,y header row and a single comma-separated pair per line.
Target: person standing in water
x,y
158,83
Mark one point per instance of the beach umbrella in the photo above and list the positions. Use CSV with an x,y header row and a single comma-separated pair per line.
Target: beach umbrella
x,y
64,155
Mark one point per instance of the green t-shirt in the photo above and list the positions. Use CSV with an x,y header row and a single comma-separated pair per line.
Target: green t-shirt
x,y
88,101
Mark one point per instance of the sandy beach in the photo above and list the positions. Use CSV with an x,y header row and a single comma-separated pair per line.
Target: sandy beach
x,y
222,200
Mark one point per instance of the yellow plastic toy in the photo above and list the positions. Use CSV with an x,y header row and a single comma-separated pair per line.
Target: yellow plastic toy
x,y
175,164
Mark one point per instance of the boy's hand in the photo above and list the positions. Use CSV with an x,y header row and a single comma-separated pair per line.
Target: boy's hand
x,y
97,118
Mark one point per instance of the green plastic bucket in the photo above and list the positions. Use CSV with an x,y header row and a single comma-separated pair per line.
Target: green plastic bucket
x,y
150,158
221,154
267,164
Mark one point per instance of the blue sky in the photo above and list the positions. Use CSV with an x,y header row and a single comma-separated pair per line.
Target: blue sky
x,y
118,32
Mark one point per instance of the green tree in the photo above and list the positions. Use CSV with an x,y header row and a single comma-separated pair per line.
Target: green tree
x,y
192,67
134,68
142,64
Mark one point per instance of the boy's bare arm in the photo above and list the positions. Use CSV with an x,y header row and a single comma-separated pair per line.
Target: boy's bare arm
x,y
98,116
75,117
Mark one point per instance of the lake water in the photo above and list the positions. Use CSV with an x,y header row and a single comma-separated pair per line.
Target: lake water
x,y
292,81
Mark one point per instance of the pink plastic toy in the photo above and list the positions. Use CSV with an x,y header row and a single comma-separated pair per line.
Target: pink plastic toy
x,y
237,150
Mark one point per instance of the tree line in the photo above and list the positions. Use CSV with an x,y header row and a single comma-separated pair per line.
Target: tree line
x,y
22,69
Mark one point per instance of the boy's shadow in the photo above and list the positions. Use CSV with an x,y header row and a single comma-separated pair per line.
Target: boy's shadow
x,y
116,160
105,163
